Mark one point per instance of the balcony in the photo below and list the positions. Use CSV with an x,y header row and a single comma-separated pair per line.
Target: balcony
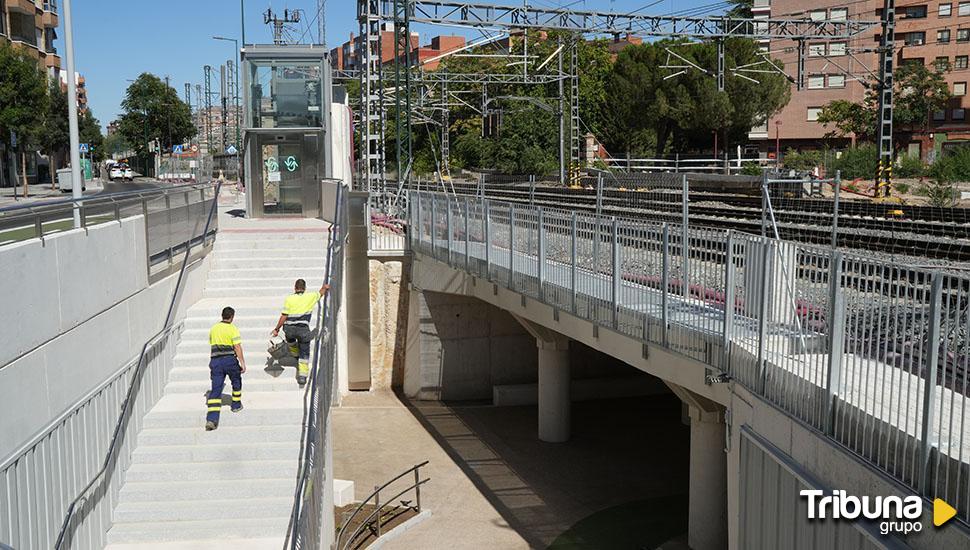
x,y
50,6
49,20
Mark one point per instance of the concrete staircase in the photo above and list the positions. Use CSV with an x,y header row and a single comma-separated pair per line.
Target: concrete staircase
x,y
231,488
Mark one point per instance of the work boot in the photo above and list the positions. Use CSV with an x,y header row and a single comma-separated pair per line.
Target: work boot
x,y
237,409
301,380
210,425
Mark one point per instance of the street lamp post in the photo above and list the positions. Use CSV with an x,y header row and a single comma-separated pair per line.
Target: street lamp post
x,y
76,182
777,145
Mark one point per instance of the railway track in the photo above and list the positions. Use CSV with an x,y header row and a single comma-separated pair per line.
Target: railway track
x,y
923,232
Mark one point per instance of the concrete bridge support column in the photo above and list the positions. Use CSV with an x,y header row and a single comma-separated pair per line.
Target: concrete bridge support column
x,y
708,511
554,418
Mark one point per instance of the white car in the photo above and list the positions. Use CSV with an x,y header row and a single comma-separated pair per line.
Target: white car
x,y
120,171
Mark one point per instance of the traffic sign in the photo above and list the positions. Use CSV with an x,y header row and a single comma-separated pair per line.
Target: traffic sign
x,y
231,150
194,148
177,149
83,147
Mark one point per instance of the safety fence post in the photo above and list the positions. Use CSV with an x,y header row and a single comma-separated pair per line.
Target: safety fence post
x,y
617,275
572,266
929,383
488,240
833,379
729,302
511,246
468,240
450,241
665,283
541,261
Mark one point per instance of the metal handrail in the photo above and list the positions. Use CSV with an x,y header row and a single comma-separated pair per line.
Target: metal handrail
x,y
310,394
124,415
375,494
105,197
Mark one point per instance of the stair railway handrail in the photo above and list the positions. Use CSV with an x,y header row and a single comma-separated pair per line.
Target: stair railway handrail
x,y
36,211
125,413
315,413
380,503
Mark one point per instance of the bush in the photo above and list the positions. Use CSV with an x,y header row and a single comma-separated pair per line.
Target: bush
x,y
902,188
857,162
751,168
801,162
952,167
909,167
940,193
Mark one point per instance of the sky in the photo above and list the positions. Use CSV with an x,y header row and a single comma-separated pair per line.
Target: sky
x,y
117,40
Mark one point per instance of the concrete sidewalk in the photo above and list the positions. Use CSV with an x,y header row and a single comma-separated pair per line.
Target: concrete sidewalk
x,y
494,484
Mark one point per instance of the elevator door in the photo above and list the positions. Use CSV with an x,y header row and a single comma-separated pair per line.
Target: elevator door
x,y
290,166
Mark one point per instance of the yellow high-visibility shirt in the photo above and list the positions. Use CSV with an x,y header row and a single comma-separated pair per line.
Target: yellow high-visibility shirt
x,y
223,337
298,307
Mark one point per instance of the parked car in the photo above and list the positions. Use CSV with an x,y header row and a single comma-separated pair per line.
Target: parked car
x,y
120,171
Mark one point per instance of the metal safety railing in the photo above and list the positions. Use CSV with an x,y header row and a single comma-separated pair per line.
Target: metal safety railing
x,y
76,440
373,523
386,228
169,214
873,354
308,526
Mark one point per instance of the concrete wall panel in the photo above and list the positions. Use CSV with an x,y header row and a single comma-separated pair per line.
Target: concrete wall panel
x,y
20,417
28,295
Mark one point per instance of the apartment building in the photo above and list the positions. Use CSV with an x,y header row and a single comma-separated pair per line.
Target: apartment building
x,y
935,33
348,55
31,25
82,90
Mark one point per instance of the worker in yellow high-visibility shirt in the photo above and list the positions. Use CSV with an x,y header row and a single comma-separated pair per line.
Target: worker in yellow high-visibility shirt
x,y
295,322
226,359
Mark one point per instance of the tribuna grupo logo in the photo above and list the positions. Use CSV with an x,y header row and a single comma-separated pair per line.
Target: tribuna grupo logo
x,y
894,514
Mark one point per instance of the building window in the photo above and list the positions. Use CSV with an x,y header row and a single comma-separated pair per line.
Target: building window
x,y
837,48
963,9
915,38
22,28
943,36
946,10
816,81
942,63
959,89
836,81
816,50
939,116
818,15
3,17
959,114
839,14
914,12
960,62
963,35
813,112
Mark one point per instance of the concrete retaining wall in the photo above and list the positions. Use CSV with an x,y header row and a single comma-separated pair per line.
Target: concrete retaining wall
x,y
78,307
389,319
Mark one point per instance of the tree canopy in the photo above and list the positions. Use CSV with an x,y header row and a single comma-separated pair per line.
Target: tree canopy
x,y
918,93
54,136
23,96
154,111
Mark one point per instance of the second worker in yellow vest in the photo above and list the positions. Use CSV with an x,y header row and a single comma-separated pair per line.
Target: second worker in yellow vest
x,y
295,322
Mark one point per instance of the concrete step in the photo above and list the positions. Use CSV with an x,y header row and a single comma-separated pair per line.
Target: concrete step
x,y
172,454
270,272
286,381
242,322
200,373
266,244
307,265
265,291
225,434
256,253
197,529
250,333
256,508
243,281
151,491
298,235
207,471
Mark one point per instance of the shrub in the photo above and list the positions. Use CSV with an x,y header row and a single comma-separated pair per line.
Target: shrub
x,y
857,162
901,187
954,166
909,167
940,193
751,168
801,162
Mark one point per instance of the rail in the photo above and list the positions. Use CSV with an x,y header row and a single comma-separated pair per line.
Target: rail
x,y
386,234
96,489
873,354
379,505
167,213
307,525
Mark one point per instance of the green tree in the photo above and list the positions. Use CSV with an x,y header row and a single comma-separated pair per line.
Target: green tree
x,y
648,106
918,93
116,144
154,111
89,131
54,137
741,8
23,98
